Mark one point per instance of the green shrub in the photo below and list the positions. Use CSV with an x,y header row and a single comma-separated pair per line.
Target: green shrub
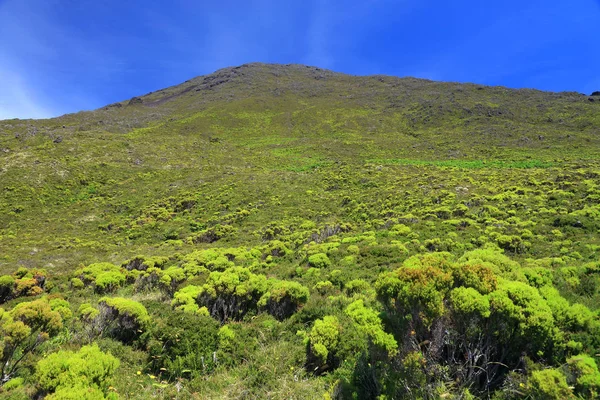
x,y
512,243
322,345
319,260
586,376
7,288
183,345
14,383
186,299
284,298
142,263
77,283
79,393
324,287
87,312
369,323
87,373
357,286
400,230
22,331
170,278
354,249
233,293
61,306
416,291
123,319
475,274
548,384
237,343
104,277
109,281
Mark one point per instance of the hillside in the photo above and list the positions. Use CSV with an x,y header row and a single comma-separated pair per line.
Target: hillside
x,y
368,214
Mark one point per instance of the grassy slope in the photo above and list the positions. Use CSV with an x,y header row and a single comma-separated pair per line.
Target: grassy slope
x,y
262,134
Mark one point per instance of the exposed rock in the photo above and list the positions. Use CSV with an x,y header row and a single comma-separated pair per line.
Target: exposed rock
x,y
113,105
134,101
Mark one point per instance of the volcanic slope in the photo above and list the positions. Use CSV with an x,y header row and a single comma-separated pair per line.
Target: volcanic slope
x,y
259,136
284,231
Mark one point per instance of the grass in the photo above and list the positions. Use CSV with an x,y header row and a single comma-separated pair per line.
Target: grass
x,y
466,164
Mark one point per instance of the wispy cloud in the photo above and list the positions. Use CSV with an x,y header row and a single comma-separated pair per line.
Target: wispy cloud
x,y
39,58
18,100
318,35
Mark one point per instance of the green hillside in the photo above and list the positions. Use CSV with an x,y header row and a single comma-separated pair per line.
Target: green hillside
x,y
284,231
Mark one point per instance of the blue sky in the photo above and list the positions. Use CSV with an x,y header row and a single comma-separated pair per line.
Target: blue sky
x,y
60,56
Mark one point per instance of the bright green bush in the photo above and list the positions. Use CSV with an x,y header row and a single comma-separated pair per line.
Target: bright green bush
x,y
475,274
469,302
275,248
77,283
80,393
319,260
400,230
283,298
122,318
14,383
493,258
233,293
324,287
87,312
416,291
104,277
24,282
357,286
525,320
586,376
236,343
368,322
171,278
323,341
87,372
354,249
186,299
142,263
548,384
23,330
109,281
62,307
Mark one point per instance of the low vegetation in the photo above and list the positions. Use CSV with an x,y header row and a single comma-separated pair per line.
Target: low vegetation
x,y
288,232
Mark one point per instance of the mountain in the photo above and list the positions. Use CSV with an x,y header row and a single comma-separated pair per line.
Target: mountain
x,y
328,181
68,175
